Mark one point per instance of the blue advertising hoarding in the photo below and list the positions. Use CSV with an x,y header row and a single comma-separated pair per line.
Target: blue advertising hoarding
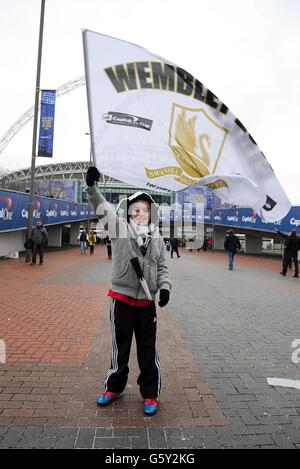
x,y
45,146
14,214
237,218
14,211
247,218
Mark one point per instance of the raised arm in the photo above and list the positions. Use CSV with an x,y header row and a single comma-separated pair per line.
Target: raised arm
x,y
115,226
100,205
284,236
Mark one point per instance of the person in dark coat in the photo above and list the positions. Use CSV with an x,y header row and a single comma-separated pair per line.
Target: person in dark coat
x,y
232,245
291,248
39,239
285,237
204,246
108,246
174,247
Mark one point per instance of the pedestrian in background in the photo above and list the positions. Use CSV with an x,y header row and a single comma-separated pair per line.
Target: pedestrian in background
x,y
39,237
232,245
108,247
92,241
83,239
174,247
285,237
291,248
204,246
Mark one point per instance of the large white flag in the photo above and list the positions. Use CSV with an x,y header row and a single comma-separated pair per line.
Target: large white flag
x,y
154,125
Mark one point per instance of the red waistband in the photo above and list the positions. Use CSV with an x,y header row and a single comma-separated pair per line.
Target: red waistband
x,y
128,300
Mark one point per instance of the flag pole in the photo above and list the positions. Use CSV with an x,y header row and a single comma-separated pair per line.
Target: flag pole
x,y
89,100
213,221
34,137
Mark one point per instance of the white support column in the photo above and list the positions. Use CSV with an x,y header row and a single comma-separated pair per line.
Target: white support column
x,y
54,235
12,241
75,227
253,244
220,234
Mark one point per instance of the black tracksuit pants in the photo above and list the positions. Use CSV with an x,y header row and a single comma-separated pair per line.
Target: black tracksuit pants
x,y
174,249
126,320
287,258
37,248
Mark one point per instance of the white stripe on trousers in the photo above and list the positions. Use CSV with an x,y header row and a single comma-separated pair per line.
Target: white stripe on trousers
x,y
157,363
114,346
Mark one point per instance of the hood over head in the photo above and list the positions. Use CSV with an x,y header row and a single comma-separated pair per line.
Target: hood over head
x,y
122,209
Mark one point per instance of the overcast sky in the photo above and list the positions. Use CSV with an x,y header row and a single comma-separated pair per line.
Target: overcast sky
x,y
247,52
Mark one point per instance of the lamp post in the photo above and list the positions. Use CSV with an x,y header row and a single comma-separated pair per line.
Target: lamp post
x,y
34,137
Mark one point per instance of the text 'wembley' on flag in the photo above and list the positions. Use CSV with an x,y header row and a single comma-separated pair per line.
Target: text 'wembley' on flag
x,y
154,125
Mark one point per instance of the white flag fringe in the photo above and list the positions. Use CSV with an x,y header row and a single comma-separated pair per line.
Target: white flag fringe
x,y
155,126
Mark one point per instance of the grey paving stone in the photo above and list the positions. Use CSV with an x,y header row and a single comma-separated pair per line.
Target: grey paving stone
x,y
292,432
60,432
179,443
85,438
254,440
189,432
234,405
276,420
113,443
226,437
157,438
248,417
33,432
67,442
211,442
268,447
283,442
104,431
264,429
37,442
3,431
12,437
173,432
238,426
130,431
285,411
139,443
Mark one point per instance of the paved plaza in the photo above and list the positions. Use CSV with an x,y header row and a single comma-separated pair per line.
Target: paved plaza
x,y
220,337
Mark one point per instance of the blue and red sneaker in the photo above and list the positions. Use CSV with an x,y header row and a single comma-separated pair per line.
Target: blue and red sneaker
x,y
107,397
151,406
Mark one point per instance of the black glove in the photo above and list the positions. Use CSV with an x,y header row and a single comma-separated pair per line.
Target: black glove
x,y
164,296
92,175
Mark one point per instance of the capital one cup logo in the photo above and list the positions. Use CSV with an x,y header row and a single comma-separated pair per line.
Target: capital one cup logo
x,y
5,208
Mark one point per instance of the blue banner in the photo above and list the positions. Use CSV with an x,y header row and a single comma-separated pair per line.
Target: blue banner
x,y
45,147
14,214
14,211
248,219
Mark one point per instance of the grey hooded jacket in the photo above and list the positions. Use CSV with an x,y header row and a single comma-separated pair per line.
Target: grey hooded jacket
x,y
124,247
